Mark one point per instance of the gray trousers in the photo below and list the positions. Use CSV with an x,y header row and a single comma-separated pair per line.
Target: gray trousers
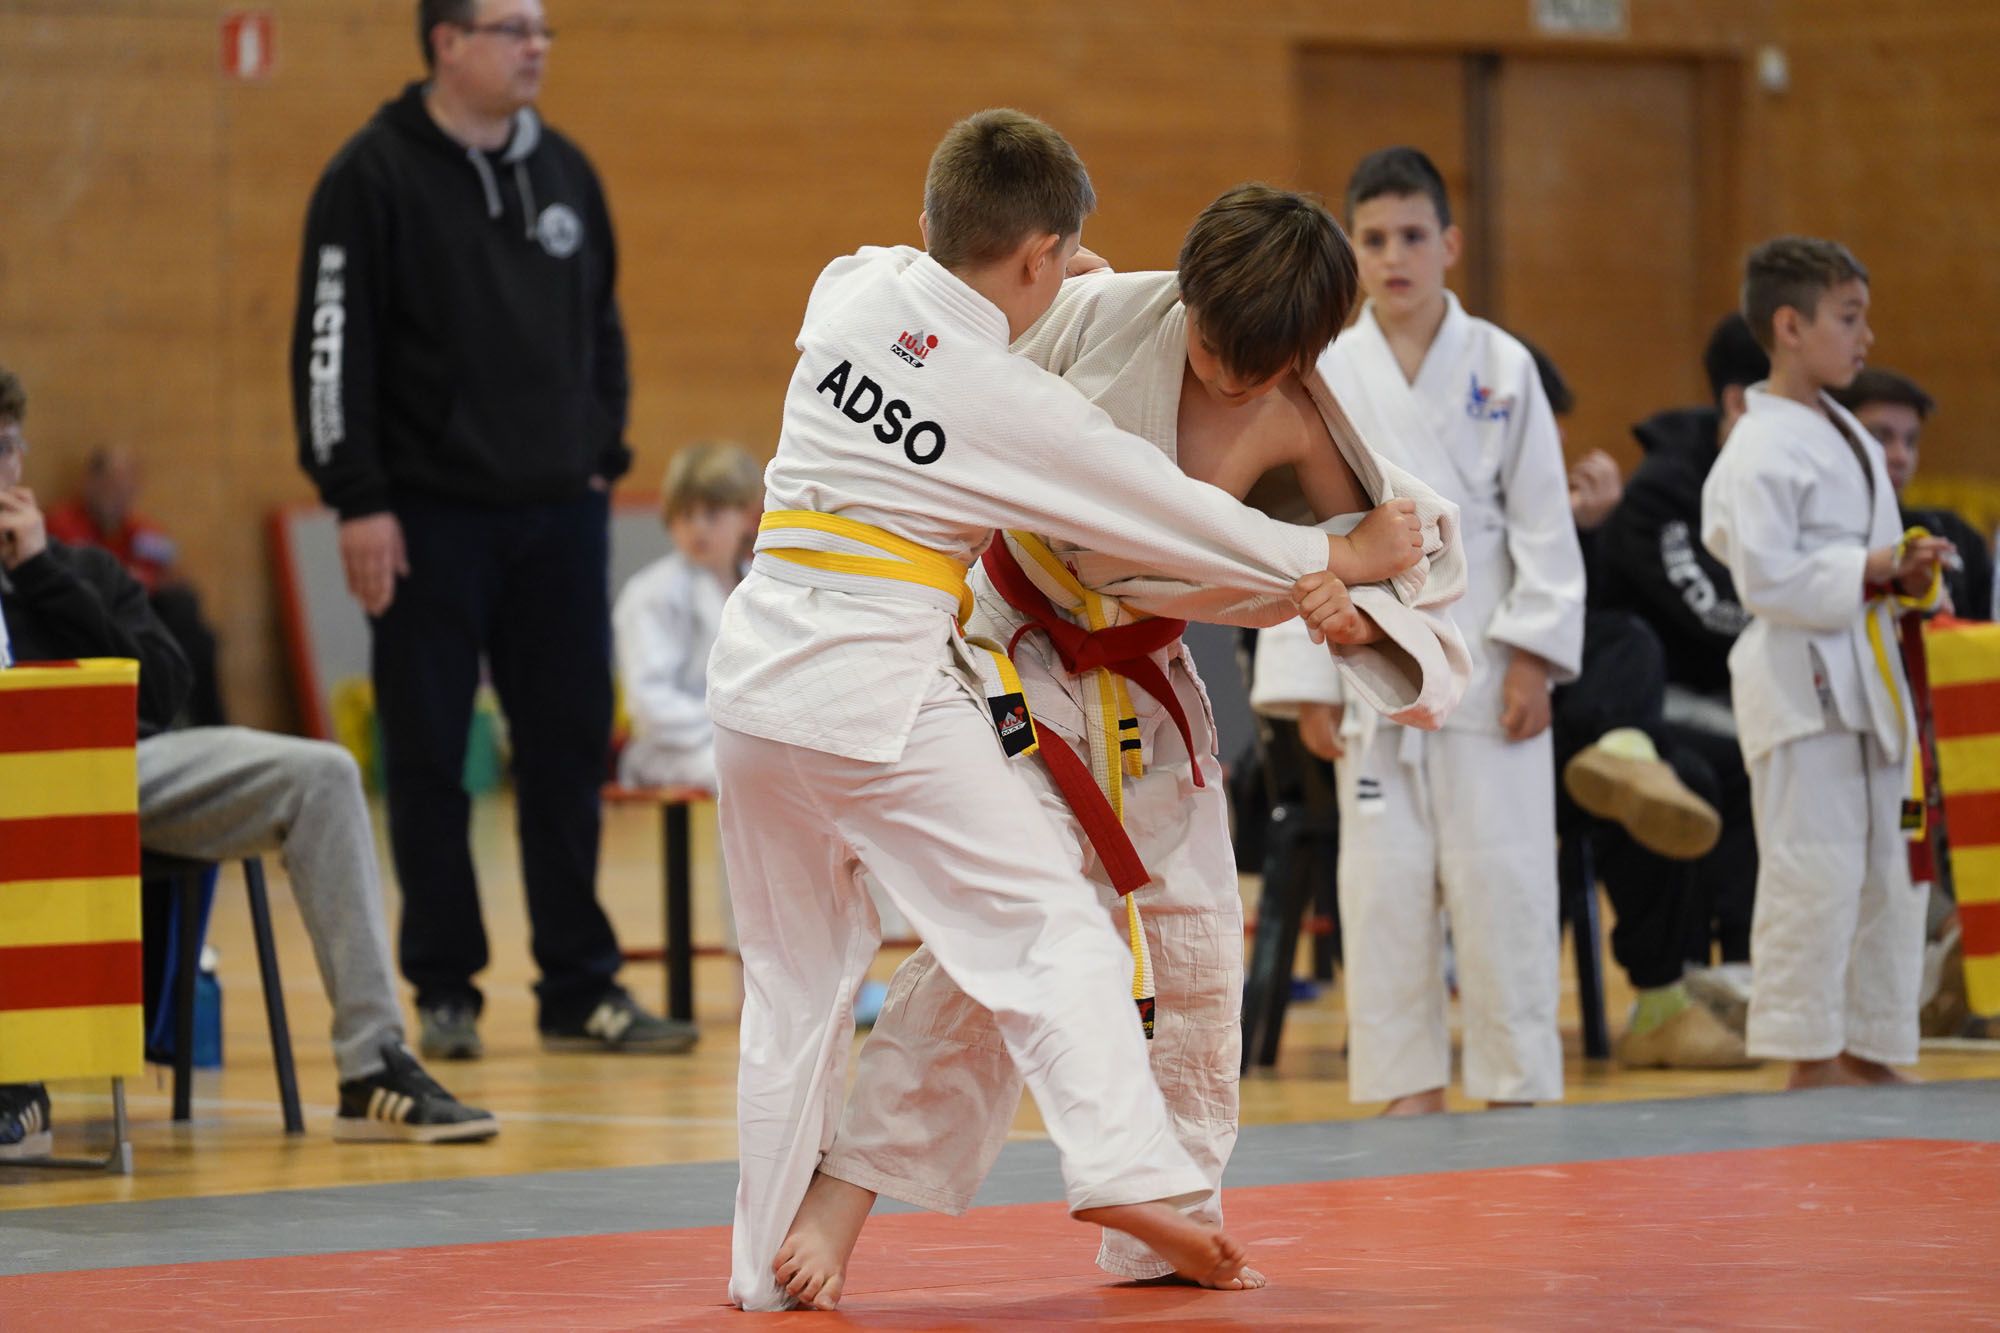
x,y
220,793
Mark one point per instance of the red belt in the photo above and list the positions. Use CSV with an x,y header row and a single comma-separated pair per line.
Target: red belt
x,y
1123,650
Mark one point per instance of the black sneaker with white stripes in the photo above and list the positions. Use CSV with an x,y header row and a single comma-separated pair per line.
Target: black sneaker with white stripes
x,y
618,1024
24,1122
403,1104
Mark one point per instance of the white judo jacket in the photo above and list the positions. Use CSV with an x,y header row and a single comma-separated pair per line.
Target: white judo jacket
x,y
663,627
1121,339
1792,507
1476,426
908,412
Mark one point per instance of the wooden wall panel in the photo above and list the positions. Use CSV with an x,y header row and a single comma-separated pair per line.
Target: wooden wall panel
x,y
149,232
1887,141
1596,201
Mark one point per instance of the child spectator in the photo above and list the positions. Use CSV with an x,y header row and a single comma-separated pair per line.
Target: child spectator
x,y
666,616
1801,510
105,514
1466,815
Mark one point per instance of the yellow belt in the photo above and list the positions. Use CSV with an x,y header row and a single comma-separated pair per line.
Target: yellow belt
x,y
1110,761
901,560
1884,665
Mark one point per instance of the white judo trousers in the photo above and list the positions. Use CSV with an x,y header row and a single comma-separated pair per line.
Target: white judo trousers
x,y
1838,933
936,1091
962,846
1460,819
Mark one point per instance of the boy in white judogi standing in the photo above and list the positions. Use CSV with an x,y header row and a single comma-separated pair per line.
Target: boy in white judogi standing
x,y
855,728
1469,812
664,623
1215,365
1799,506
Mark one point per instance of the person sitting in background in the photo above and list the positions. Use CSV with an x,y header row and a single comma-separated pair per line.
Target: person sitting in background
x,y
220,793
665,619
104,515
1894,409
1621,765
1650,562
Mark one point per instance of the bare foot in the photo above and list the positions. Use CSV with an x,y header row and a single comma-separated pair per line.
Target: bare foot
x,y
1198,1252
1247,1280
1417,1103
1874,1072
1834,1073
812,1263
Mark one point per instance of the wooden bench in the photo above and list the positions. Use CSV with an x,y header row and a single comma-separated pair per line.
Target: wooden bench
x,y
677,885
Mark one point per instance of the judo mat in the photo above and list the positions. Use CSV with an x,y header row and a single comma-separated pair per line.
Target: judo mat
x,y
1809,1210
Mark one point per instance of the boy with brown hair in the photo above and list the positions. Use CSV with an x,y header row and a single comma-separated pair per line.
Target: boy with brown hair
x,y
1799,507
855,729
1463,818
1214,365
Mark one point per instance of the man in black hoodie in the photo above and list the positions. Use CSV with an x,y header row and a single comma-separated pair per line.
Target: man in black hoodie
x,y
218,793
460,391
1650,562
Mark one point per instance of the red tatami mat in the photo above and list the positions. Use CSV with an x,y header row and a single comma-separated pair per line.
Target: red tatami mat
x,y
1893,1234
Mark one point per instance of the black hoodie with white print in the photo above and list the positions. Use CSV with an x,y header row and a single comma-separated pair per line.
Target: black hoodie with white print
x,y
457,331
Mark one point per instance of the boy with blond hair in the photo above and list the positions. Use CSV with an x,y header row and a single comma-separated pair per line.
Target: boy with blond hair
x,y
856,729
1801,510
666,618
1465,816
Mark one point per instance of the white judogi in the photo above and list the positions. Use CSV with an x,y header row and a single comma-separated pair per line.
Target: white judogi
x,y
851,732
935,1093
1793,506
663,626
1464,813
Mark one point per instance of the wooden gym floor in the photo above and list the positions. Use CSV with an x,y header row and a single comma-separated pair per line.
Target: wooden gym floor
x,y
644,1131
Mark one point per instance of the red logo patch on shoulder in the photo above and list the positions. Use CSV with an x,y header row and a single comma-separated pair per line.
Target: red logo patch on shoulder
x,y
914,347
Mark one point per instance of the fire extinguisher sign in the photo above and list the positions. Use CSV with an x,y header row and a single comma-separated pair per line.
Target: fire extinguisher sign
x,y
249,43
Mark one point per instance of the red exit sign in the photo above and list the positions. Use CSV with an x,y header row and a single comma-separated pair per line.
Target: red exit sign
x,y
249,43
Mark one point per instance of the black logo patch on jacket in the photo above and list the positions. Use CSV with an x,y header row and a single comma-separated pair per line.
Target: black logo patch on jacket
x,y
1010,719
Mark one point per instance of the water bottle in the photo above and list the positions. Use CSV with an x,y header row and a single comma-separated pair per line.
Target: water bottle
x,y
207,1013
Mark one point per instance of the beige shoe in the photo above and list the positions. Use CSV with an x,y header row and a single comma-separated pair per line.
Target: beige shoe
x,y
1945,1011
1694,1038
1724,990
1623,779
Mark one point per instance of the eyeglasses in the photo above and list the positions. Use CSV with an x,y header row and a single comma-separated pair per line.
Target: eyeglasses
x,y
514,30
13,444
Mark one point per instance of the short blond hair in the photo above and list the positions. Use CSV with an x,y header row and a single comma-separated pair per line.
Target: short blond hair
x,y
710,473
997,179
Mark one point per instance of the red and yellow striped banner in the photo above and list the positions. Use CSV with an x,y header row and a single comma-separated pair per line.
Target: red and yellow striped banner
x,y
70,967
1965,709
